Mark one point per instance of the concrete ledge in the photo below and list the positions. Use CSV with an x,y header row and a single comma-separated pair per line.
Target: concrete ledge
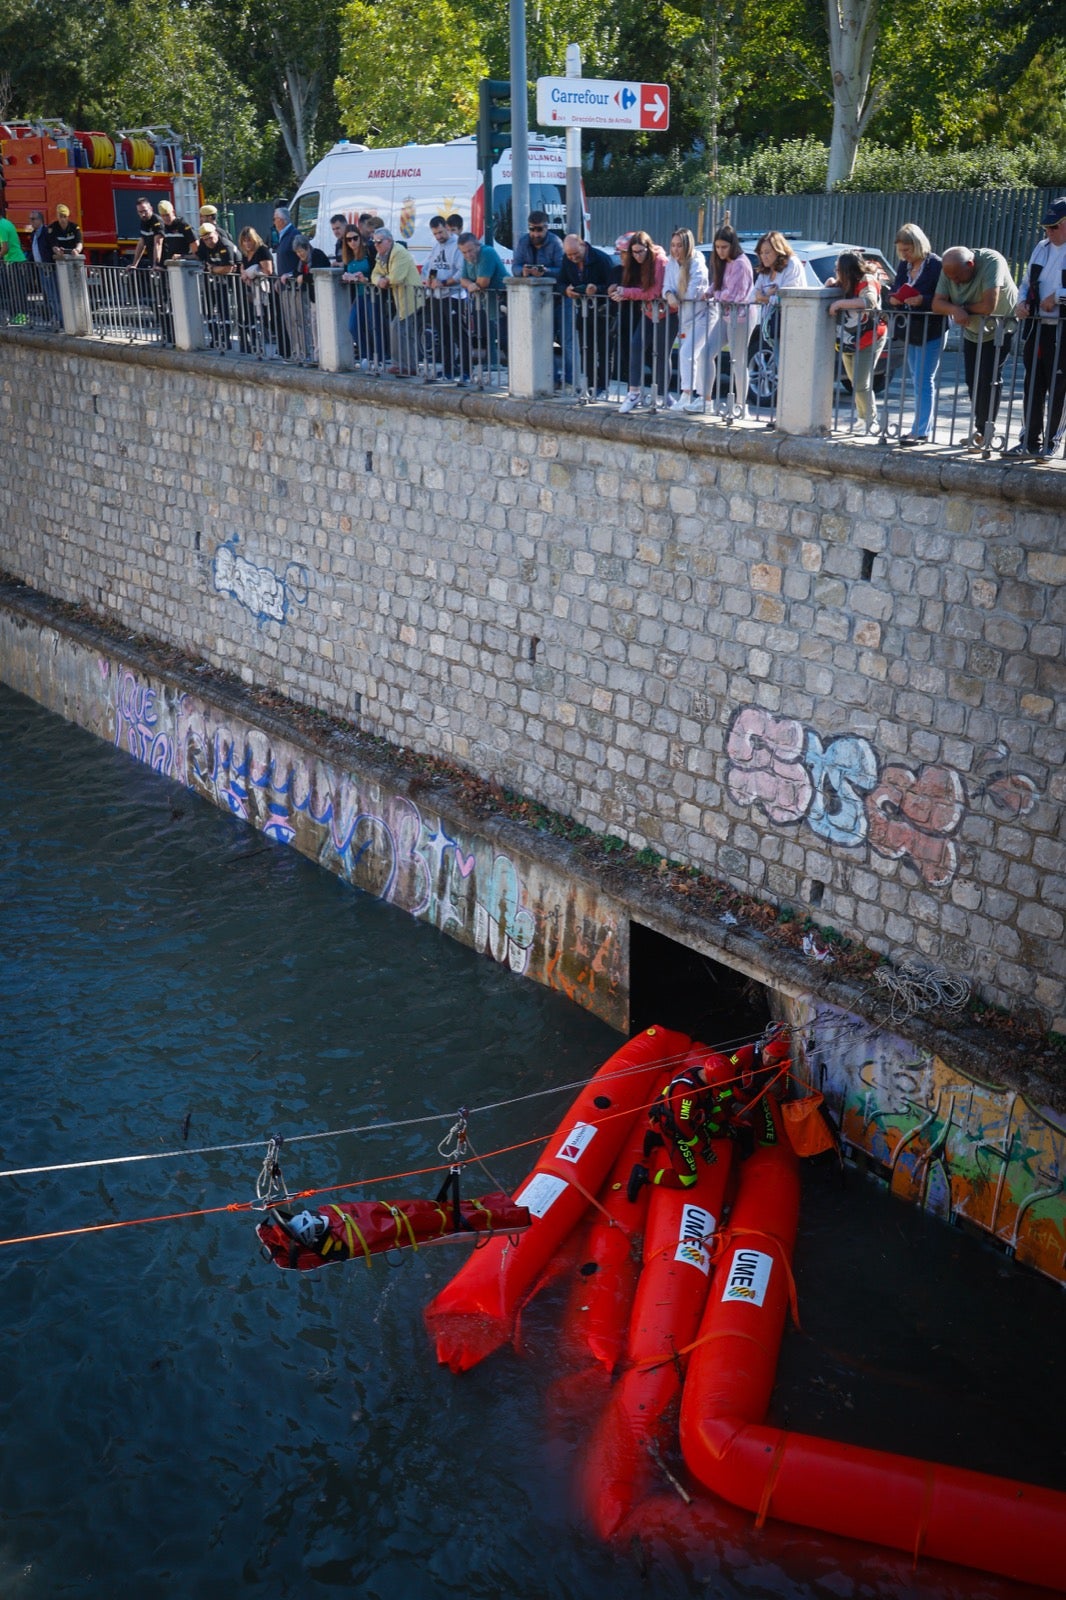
x,y
1019,485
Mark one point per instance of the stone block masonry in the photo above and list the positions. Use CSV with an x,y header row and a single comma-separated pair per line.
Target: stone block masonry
x,y
830,677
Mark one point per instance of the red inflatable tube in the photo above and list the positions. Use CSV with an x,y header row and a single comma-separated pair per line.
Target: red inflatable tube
x,y
973,1519
619,1468
475,1313
609,1267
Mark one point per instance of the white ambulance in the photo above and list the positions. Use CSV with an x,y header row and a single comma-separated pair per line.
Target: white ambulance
x,y
408,185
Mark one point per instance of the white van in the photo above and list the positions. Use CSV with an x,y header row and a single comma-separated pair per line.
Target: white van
x,y
408,185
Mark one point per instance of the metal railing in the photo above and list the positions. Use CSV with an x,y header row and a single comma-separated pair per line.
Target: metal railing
x,y
444,335
257,317
926,382
29,296
698,357
131,304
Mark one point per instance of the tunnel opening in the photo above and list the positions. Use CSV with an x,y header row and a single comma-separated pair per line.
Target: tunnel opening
x,y
681,988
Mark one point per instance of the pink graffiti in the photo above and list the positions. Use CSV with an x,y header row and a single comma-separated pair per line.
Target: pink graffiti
x,y
465,864
1012,792
766,765
911,814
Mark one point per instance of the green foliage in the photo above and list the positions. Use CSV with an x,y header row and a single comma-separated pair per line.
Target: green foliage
x,y
409,70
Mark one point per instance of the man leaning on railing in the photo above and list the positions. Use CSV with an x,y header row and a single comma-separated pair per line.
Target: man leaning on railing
x,y
976,285
1043,307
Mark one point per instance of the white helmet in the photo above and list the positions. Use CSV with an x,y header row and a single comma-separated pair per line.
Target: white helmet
x,y
308,1227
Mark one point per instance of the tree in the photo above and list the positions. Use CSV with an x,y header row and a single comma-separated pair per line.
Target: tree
x,y
409,70
853,28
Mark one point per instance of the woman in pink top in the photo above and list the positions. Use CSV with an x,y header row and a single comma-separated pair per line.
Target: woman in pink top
x,y
643,269
730,291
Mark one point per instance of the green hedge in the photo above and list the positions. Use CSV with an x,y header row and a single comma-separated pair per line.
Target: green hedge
x,y
799,166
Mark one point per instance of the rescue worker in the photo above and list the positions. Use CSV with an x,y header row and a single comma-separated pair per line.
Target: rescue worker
x,y
714,1096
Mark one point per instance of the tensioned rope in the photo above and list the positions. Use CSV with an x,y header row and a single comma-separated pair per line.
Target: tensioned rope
x,y
358,1183
370,1127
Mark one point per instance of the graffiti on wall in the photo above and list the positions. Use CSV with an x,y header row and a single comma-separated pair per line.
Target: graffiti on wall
x,y
258,589
849,798
965,1150
382,843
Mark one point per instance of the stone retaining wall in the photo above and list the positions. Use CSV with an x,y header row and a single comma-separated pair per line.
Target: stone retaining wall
x,y
831,679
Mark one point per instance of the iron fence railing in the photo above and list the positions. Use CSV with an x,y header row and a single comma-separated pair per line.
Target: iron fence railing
x,y
697,357
132,304
999,390
29,296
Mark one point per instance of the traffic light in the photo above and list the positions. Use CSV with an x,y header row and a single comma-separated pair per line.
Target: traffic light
x,y
493,122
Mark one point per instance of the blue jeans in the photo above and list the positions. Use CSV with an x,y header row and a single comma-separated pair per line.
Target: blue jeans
x,y
923,364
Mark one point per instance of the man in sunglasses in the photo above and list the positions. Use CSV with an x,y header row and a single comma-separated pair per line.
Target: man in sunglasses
x,y
539,254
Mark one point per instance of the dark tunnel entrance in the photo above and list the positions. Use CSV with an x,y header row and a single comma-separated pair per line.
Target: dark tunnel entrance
x,y
679,988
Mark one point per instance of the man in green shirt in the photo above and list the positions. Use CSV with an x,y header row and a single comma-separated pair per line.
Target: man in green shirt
x,y
973,286
12,285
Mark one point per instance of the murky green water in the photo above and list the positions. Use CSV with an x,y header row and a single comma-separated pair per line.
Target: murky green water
x,y
179,1418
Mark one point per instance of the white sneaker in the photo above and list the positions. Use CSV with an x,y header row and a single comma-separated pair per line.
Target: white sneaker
x,y
694,405
630,403
682,404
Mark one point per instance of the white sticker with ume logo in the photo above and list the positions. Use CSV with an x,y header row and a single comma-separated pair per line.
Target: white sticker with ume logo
x,y
576,1142
696,1232
748,1278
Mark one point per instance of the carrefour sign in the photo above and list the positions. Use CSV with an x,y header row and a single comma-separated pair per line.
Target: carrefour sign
x,y
601,103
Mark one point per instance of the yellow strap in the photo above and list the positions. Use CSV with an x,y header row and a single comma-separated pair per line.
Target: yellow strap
x,y
399,1216
352,1231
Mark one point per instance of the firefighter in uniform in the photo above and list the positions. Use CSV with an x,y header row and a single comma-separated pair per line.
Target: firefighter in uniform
x,y
714,1096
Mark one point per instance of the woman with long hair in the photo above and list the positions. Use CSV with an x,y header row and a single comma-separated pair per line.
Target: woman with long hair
x,y
731,282
356,266
685,284
912,294
643,270
779,268
255,303
863,330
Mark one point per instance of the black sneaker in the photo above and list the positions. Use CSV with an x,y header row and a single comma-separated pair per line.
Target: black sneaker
x,y
637,1179
652,1141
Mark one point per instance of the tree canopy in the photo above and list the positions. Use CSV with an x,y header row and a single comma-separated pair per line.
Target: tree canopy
x,y
265,86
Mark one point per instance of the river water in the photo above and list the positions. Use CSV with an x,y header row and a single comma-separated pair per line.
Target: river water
x,y
178,1417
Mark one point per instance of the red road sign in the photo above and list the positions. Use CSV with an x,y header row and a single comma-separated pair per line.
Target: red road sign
x,y
654,106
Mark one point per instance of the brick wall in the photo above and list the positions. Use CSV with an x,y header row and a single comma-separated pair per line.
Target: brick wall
x,y
830,678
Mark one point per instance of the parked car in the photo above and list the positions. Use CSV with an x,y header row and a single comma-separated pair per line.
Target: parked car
x,y
818,259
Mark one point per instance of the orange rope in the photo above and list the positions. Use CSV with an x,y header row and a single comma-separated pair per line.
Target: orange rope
x,y
353,1183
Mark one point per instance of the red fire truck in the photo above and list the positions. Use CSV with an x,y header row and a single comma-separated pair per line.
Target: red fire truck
x,y
99,176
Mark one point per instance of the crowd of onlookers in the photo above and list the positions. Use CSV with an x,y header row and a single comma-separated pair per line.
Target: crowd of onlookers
x,y
655,321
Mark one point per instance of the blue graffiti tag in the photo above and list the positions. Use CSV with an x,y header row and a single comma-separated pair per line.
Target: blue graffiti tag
x,y
841,771
259,590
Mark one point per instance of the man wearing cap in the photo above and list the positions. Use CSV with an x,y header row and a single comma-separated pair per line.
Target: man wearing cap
x,y
1043,306
65,236
219,260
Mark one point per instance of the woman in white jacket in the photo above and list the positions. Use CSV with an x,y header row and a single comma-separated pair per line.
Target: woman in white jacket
x,y
685,286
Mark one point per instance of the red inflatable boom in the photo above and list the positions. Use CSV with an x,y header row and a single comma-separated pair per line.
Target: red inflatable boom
x,y
976,1520
476,1312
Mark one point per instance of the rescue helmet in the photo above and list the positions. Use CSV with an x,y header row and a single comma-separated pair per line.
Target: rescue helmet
x,y
308,1227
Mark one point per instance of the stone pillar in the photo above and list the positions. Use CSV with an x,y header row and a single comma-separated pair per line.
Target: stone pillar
x,y
806,361
183,285
72,276
530,335
333,304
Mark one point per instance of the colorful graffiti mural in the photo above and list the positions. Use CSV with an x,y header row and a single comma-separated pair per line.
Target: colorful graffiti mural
x,y
381,843
970,1152
840,790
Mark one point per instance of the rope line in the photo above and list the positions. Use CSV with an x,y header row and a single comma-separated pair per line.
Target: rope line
x,y
668,1061
352,1183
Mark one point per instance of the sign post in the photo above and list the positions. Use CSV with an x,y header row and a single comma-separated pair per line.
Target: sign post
x,y
575,220
603,103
